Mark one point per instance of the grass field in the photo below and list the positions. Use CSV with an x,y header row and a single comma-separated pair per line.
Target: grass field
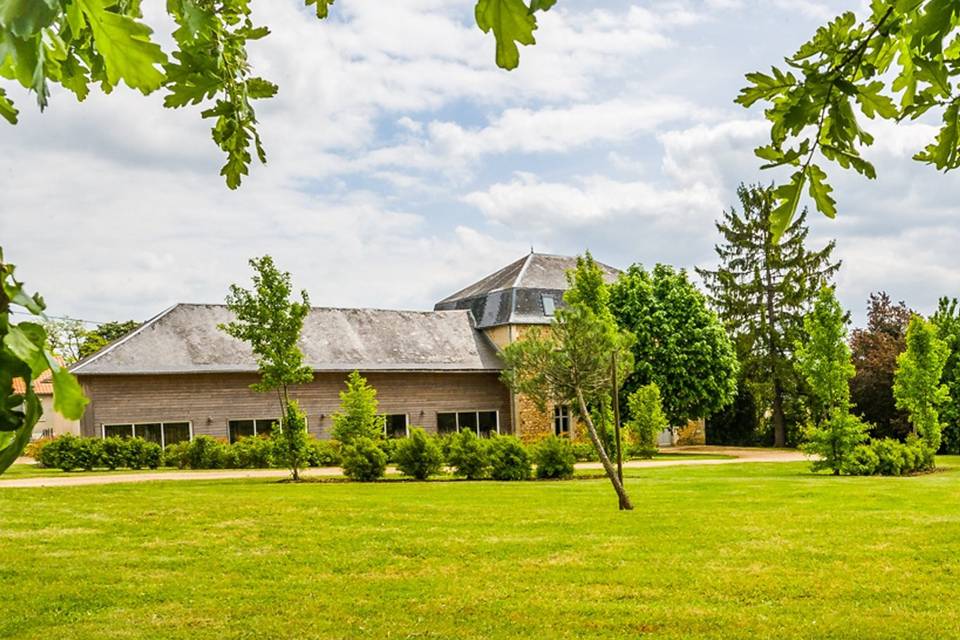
x,y
733,551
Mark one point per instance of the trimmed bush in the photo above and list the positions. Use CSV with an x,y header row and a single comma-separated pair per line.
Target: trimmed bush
x,y
89,453
862,461
134,453
468,456
554,458
35,449
323,453
60,453
255,452
363,460
585,452
419,456
890,455
114,453
204,453
177,455
389,447
509,459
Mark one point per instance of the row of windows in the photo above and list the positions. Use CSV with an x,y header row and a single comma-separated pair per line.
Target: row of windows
x,y
483,423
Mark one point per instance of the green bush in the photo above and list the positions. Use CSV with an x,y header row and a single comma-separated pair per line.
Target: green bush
x,y
419,456
204,453
177,455
862,461
554,458
646,421
585,452
255,452
89,453
890,456
152,455
133,453
363,460
323,453
114,453
389,447
509,459
292,442
468,456
60,453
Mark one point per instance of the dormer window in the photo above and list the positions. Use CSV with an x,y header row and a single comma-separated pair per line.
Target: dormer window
x,y
548,304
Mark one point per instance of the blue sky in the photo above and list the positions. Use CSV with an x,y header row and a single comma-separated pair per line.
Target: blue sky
x,y
403,164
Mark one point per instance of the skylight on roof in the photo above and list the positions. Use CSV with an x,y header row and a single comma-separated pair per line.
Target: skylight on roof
x,y
549,305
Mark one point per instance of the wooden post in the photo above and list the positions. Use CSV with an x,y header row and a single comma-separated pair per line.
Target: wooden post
x,y
616,417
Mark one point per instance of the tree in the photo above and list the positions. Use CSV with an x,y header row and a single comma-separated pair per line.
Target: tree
x,y
104,334
65,338
761,289
902,49
76,43
947,319
824,361
24,355
647,419
358,417
680,345
270,321
571,362
875,349
916,384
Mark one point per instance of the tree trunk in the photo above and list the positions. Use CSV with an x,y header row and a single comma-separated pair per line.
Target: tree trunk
x,y
779,426
779,420
625,504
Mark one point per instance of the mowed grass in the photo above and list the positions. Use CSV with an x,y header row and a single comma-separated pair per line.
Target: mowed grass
x,y
730,551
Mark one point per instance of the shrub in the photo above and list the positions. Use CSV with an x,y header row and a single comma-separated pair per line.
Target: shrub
x,y
225,456
203,453
152,455
389,447
363,460
358,416
255,452
292,441
60,453
133,453
585,452
862,461
830,443
114,453
468,456
35,449
554,458
177,455
419,455
890,456
509,459
646,421
88,453
323,453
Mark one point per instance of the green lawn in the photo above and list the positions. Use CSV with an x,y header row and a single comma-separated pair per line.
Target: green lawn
x,y
731,551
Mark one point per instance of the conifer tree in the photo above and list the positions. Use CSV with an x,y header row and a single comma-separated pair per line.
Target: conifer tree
x,y
761,289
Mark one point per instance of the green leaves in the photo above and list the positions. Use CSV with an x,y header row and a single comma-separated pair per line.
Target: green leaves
x,y
944,153
68,398
7,111
872,102
512,22
788,198
125,46
323,7
820,191
25,18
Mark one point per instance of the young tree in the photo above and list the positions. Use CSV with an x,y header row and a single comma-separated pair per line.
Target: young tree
x,y
647,419
571,362
680,345
761,290
875,349
906,50
824,361
65,338
270,320
24,355
358,417
947,319
104,334
916,384
92,42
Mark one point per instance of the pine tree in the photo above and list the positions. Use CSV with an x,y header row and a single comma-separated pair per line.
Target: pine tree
x,y
761,290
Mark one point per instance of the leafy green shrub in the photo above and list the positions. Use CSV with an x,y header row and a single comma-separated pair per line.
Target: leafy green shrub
x,y
255,452
152,456
35,449
291,443
88,453
831,442
133,453
891,459
323,453
114,453
468,456
389,447
862,461
509,459
60,453
358,416
419,455
177,455
363,460
225,456
646,421
585,452
554,458
204,453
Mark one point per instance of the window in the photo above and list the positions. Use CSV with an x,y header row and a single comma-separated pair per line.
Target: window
x,y
549,305
163,433
248,428
395,425
561,420
482,423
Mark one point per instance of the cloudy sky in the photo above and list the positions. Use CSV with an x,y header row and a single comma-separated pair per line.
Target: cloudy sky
x,y
403,164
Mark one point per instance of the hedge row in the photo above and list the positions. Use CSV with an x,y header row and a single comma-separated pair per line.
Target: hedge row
x,y
888,457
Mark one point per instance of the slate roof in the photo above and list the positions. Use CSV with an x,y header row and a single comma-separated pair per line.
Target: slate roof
x,y
515,294
185,339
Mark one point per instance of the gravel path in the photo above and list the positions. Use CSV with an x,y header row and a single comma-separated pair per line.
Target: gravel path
x,y
742,455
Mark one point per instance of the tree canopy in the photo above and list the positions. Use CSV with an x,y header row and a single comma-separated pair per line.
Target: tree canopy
x,y
916,384
79,43
947,319
899,63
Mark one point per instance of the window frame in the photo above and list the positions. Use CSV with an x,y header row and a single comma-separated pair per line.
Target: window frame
x,y
162,423
277,421
544,297
406,425
476,412
561,416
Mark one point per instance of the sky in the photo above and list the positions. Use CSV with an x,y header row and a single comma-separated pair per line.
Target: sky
x,y
403,164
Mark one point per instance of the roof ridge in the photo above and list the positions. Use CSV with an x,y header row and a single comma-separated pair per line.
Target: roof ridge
x,y
523,270
113,345
331,308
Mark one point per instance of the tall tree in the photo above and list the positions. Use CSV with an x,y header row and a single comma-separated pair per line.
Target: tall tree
x,y
680,345
79,43
947,319
270,320
823,359
104,334
65,338
571,362
916,384
761,290
875,349
903,49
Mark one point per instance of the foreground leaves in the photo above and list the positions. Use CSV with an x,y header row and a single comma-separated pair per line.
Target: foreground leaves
x,y
898,63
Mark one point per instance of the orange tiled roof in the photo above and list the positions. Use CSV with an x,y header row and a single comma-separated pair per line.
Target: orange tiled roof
x,y
41,386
